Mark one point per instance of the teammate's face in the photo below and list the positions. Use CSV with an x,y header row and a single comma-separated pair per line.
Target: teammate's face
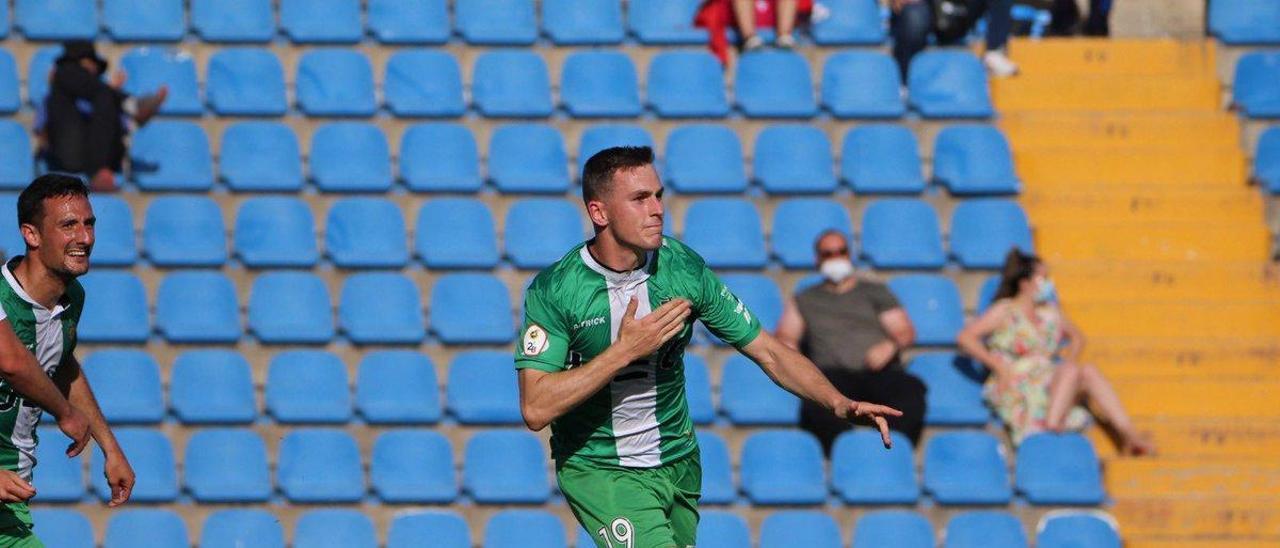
x,y
63,238
632,208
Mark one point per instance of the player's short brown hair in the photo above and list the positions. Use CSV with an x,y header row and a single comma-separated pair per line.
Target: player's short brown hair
x,y
598,171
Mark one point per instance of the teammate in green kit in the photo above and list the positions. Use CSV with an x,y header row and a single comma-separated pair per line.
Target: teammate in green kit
x,y
41,303
601,355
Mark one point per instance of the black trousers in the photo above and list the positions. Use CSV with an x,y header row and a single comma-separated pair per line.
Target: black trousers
x,y
891,386
79,142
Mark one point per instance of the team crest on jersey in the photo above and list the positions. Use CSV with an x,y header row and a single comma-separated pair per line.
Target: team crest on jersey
x,y
535,341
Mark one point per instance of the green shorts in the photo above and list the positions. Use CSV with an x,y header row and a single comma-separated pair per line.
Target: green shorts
x,y
19,536
635,507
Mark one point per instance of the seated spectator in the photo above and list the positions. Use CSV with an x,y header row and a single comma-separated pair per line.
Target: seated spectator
x,y
747,16
1033,352
1066,18
854,330
912,21
86,119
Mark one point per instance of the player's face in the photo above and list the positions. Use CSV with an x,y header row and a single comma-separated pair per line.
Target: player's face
x,y
64,238
634,208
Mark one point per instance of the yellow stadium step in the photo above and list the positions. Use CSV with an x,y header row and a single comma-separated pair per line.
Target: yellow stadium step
x,y
1107,93
1208,518
1193,355
1200,399
1111,56
1037,130
1216,542
1164,477
1246,241
1068,167
1140,318
1221,439
1141,203
1095,281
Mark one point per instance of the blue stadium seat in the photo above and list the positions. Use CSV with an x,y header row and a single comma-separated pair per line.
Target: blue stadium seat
x,y
366,233
585,540
456,233
496,22
233,20
974,159
599,84
171,155
665,22
41,66
445,529
145,528
528,158
506,467
599,137
16,163
181,294
335,82
365,317
149,68
227,465
783,467
290,308
350,157
954,383
59,479
471,309
11,241
864,472
320,466
242,528
717,468
397,387
797,222
62,528
439,158
413,466
117,312
983,232
749,397
245,82
901,233
114,239
524,528
934,305
539,231
9,94
774,84
718,529
966,467
1066,529
127,385
4,22
705,159
275,232
1255,90
1266,160
56,20
511,84
793,159
881,159
1059,469
482,388
808,528
321,21
582,22
212,387
423,83
987,292
726,232
851,22
308,386
686,84
948,84
151,456
697,390
862,84
1245,22
184,231
760,294
331,528
904,528
409,21
261,157
144,20
984,529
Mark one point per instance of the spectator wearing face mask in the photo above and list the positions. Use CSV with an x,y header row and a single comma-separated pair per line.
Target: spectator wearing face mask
x,y
854,330
1033,352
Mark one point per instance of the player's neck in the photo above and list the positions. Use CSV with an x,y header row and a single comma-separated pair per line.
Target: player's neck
x,y
614,255
41,284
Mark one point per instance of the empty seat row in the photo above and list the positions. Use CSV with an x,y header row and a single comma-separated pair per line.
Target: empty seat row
x,y
1244,22
1256,87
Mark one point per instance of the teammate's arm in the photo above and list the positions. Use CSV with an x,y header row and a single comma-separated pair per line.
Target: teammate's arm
x,y
545,396
70,378
19,368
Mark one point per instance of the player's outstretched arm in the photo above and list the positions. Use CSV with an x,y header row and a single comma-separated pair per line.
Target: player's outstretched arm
x,y
19,368
119,473
794,372
544,396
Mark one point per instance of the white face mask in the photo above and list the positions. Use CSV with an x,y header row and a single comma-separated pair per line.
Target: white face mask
x,y
836,269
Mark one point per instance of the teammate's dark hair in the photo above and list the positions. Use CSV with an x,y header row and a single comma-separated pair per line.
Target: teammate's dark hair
x,y
599,170
1018,266
52,185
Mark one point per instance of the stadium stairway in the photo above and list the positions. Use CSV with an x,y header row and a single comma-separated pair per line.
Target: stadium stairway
x,y
1135,179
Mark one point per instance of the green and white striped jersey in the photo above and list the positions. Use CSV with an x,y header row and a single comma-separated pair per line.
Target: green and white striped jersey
x,y
573,310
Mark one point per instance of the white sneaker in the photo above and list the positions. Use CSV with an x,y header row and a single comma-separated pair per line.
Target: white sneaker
x,y
785,41
753,43
999,64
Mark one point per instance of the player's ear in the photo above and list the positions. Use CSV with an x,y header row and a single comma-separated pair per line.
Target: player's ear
x,y
30,235
595,210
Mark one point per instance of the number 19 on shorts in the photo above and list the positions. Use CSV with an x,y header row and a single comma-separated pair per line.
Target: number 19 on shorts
x,y
618,534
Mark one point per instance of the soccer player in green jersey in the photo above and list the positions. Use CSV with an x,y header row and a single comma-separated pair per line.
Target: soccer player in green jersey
x,y
600,360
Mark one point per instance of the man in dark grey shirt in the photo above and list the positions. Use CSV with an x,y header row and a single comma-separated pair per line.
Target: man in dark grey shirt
x,y
855,331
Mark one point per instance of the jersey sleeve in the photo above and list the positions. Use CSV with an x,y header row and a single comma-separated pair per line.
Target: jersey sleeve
x,y
881,298
722,312
544,339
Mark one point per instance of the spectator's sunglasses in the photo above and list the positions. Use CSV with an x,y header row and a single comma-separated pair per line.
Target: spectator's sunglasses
x,y
824,254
